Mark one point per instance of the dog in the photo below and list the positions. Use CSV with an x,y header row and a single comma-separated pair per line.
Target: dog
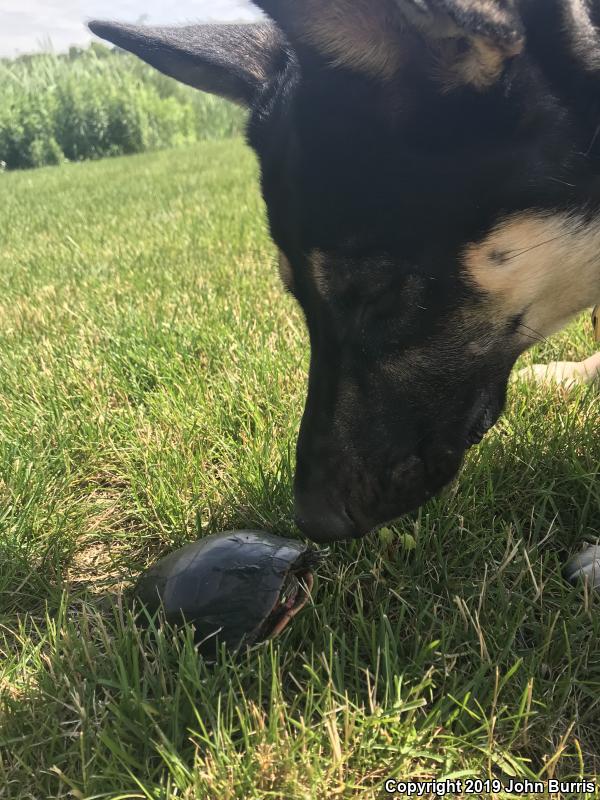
x,y
431,172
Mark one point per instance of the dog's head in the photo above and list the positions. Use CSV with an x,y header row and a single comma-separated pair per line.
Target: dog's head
x,y
431,177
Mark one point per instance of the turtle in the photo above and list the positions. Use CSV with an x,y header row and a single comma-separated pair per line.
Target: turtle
x,y
238,587
584,566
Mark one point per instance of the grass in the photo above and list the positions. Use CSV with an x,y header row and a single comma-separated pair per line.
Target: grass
x,y
152,375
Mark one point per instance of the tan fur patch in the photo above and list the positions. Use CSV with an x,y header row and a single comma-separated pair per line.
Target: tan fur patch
x,y
358,34
583,34
544,265
480,66
481,63
366,36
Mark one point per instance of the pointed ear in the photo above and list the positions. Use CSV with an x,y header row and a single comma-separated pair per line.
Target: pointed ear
x,y
233,61
469,39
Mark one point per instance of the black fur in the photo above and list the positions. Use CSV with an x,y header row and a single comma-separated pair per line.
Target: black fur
x,y
389,180
202,56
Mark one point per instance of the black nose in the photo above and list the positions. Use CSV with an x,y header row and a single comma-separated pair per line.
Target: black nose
x,y
323,520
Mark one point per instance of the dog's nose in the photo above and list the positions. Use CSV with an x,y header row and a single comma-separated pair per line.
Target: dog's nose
x,y
322,520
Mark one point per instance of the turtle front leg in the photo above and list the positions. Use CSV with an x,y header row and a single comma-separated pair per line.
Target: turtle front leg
x,y
565,373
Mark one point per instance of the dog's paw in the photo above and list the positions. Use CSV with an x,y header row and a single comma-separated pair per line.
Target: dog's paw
x,y
585,566
564,373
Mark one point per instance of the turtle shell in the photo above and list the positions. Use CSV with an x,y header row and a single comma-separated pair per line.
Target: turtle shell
x,y
584,566
239,586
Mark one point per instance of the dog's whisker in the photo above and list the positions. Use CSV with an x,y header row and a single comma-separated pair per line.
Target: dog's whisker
x,y
518,253
593,142
536,335
563,183
531,338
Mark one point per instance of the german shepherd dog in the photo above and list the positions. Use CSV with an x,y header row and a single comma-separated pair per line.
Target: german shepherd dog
x,y
431,170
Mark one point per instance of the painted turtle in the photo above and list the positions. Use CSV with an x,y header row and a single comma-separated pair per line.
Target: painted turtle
x,y
240,587
584,566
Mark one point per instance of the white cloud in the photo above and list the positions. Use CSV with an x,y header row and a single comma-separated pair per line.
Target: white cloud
x,y
30,25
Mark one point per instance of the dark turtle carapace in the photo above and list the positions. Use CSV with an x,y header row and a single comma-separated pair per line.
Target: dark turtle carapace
x,y
239,587
584,566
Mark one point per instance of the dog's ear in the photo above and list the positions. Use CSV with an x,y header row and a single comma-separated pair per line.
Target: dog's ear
x,y
233,61
470,40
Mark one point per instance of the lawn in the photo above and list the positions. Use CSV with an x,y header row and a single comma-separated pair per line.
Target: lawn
x,y
152,374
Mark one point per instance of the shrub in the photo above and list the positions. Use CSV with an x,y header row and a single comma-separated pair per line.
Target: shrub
x,y
99,102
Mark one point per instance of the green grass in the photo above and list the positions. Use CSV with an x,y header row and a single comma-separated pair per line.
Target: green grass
x,y
152,375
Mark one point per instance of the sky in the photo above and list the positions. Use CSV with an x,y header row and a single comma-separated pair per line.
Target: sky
x,y
28,26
